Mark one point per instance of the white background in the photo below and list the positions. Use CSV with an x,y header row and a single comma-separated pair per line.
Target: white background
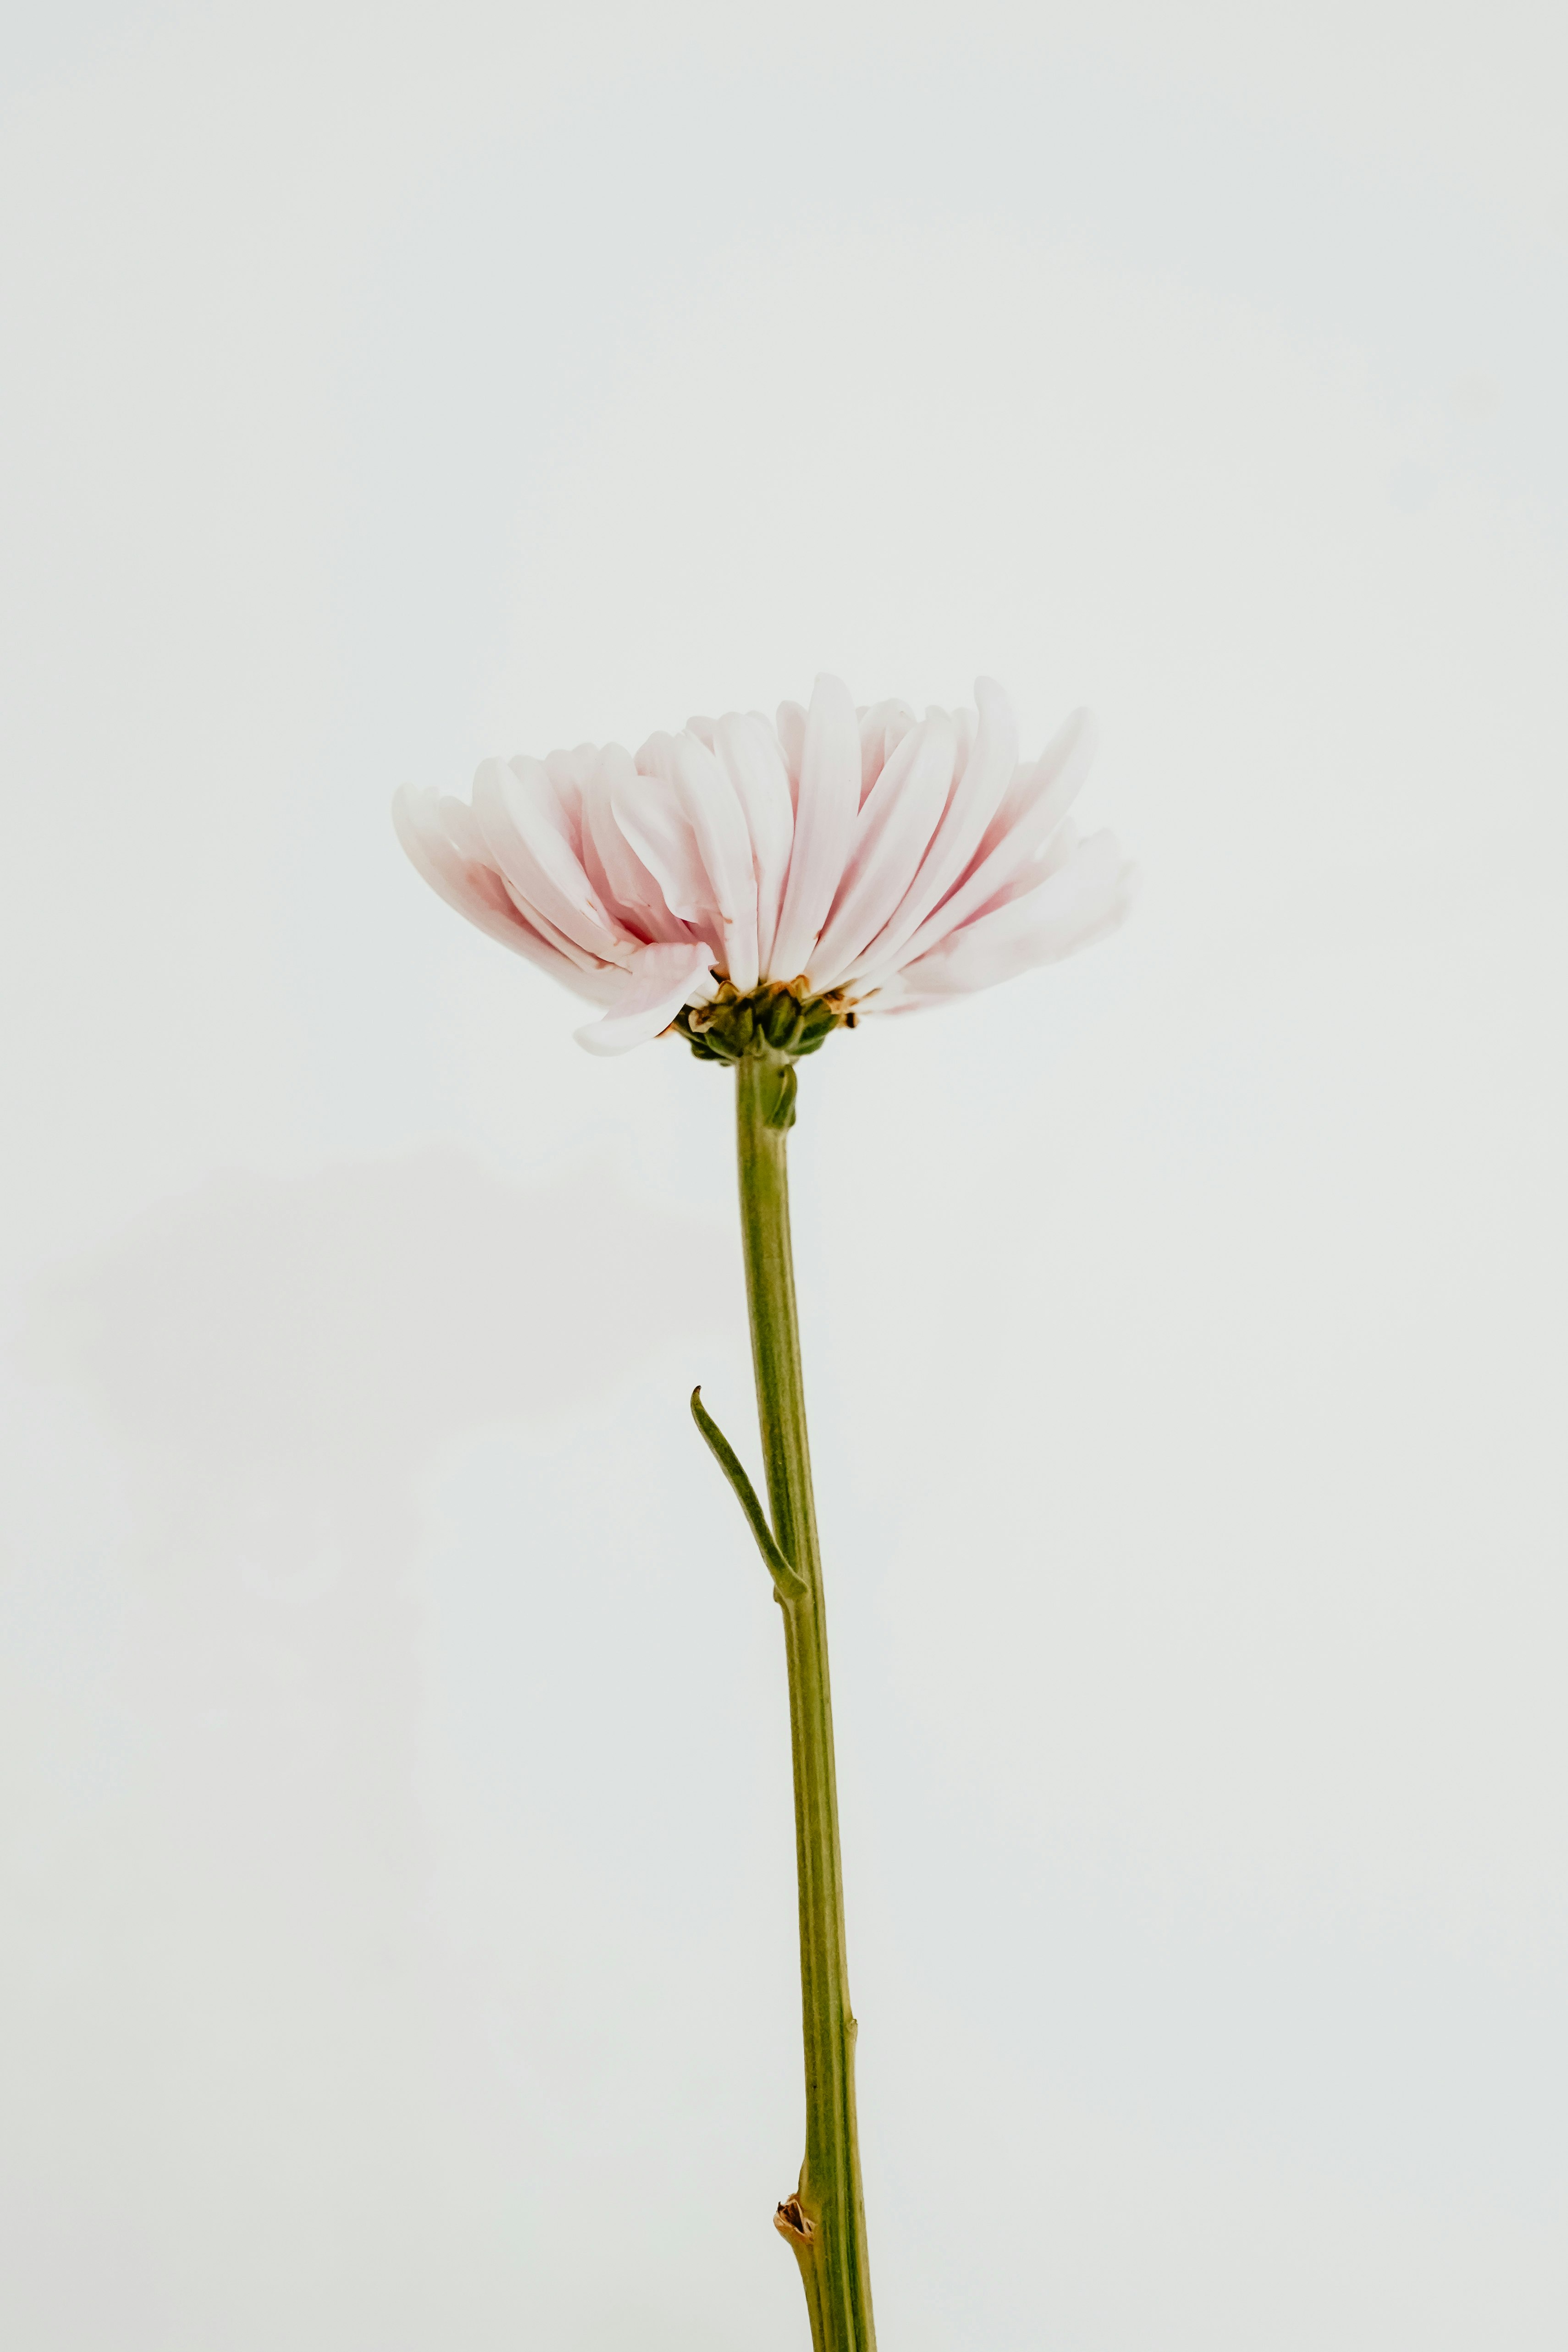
x,y
398,1910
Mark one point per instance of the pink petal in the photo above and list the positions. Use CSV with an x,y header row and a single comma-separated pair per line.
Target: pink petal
x,y
630,893
792,743
647,810
1080,902
987,773
824,826
562,942
661,979
528,838
713,807
748,752
882,728
568,771
467,835
1037,803
964,722
892,834
476,890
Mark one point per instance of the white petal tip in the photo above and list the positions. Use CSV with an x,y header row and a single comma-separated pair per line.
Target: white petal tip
x,y
599,1038
662,979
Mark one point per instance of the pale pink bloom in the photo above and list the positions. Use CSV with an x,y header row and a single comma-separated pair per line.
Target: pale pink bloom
x,y
896,861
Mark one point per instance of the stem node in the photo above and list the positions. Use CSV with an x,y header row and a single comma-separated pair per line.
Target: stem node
x,y
792,2220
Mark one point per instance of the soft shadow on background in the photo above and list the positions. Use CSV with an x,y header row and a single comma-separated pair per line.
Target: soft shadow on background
x,y
398,1941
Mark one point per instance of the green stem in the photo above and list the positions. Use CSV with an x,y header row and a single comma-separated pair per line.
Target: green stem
x,y
825,2222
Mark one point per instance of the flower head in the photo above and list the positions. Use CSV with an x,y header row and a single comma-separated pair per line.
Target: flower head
x,y
851,861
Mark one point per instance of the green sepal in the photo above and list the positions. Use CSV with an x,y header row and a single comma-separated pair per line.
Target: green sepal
x,y
782,1020
789,1584
772,1023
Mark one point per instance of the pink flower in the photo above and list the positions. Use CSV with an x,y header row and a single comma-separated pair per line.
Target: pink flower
x,y
885,861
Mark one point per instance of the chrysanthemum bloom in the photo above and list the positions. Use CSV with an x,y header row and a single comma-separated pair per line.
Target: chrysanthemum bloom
x,y
860,861
754,887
